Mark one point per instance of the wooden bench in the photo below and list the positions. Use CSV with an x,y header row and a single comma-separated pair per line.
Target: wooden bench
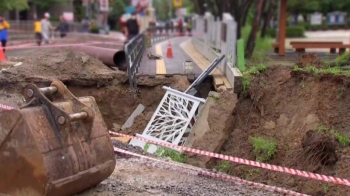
x,y
333,46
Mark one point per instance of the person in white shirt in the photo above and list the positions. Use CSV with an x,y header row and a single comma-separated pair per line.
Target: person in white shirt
x,y
46,27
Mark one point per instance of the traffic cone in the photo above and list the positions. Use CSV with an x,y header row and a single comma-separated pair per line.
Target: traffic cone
x,y
169,52
2,55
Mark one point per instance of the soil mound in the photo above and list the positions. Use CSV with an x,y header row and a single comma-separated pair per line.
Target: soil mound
x,y
86,76
309,59
60,64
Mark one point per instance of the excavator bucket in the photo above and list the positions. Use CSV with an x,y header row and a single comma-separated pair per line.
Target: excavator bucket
x,y
55,145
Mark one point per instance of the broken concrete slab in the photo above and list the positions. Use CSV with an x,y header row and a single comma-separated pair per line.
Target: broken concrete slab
x,y
213,127
140,108
121,139
116,127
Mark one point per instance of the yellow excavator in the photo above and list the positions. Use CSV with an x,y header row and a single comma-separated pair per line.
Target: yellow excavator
x,y
54,145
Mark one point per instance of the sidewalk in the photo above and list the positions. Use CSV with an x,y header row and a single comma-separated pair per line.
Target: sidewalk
x,y
167,66
183,50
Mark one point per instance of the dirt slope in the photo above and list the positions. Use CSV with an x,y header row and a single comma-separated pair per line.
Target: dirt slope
x,y
290,108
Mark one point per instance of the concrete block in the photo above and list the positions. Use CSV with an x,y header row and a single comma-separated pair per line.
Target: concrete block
x,y
214,94
212,128
140,108
121,139
116,127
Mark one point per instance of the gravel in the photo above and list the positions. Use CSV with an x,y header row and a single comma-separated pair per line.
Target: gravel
x,y
137,176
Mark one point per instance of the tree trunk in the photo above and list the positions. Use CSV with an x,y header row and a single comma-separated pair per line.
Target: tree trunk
x,y
246,12
252,36
267,17
199,4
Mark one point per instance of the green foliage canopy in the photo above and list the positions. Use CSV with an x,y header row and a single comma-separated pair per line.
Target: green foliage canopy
x,y
7,5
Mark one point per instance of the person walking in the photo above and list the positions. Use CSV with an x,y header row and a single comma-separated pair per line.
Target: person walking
x,y
4,26
180,26
132,27
86,25
189,27
46,27
63,27
37,32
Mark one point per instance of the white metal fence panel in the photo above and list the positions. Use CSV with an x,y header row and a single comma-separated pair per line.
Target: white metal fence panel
x,y
175,116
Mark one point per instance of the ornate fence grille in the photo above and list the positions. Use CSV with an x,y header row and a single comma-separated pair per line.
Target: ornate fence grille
x,y
175,116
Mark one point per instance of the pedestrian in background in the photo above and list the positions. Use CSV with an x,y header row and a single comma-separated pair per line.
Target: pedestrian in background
x,y
180,26
46,27
189,27
63,27
37,32
4,26
132,27
86,25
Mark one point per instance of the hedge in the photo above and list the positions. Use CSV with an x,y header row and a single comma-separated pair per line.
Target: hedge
x,y
291,32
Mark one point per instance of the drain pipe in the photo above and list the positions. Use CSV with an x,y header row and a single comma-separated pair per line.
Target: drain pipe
x,y
110,57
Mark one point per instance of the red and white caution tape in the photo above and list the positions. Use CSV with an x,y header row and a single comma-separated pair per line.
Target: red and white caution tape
x,y
216,175
6,107
248,162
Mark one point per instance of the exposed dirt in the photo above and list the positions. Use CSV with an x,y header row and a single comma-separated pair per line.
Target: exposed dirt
x,y
287,105
309,59
319,147
86,76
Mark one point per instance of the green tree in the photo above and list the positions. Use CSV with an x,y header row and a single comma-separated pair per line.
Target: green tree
x,y
44,4
118,9
6,5
162,8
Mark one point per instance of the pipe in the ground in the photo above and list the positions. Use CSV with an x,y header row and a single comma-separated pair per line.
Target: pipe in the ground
x,y
110,57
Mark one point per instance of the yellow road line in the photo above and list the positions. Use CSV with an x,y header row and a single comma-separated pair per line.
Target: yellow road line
x,y
160,64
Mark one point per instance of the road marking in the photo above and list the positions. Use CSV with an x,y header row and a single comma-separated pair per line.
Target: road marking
x,y
160,64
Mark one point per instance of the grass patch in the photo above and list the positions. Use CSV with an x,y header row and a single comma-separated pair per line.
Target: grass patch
x,y
344,140
321,71
343,57
247,75
173,154
263,149
224,166
146,147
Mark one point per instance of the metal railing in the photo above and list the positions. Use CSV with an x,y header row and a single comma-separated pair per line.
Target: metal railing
x,y
134,51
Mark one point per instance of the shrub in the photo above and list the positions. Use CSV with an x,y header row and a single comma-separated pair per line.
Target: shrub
x,y
343,57
174,155
296,31
224,166
94,29
254,70
263,149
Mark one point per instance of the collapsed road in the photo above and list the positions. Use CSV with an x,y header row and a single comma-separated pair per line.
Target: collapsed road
x,y
131,176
